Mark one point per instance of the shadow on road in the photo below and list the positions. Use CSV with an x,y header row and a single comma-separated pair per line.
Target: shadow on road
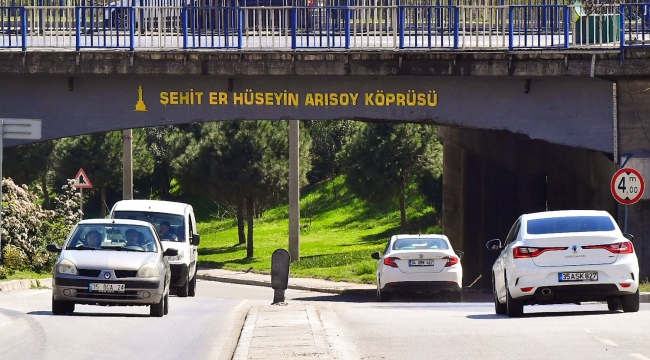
x,y
540,314
49,313
369,297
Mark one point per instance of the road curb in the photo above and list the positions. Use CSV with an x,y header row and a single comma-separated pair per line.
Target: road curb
x,y
11,285
358,292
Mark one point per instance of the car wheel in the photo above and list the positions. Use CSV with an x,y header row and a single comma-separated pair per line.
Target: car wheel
x,y
499,309
614,304
166,306
157,310
182,291
514,308
192,289
631,302
60,307
381,295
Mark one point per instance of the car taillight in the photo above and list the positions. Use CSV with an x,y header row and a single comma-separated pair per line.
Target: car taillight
x,y
451,260
625,247
531,252
390,261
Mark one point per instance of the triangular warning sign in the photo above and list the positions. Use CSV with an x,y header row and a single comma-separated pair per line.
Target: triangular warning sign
x,y
81,181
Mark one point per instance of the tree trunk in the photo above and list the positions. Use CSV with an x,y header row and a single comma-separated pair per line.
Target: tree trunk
x,y
249,216
46,193
402,203
240,221
102,212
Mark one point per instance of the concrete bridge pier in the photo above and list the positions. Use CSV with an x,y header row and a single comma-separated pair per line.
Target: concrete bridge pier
x,y
492,177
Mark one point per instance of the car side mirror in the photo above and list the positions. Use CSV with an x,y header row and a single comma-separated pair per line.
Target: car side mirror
x,y
629,236
460,253
196,239
494,244
53,248
170,252
375,255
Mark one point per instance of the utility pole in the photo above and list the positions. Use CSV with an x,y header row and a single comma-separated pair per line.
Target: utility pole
x,y
127,164
294,190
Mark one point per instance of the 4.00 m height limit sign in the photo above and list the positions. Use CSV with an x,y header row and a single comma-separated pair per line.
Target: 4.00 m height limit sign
x,y
627,186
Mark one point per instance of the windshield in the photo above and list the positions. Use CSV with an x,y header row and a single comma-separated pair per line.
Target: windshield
x,y
170,227
113,237
420,244
558,225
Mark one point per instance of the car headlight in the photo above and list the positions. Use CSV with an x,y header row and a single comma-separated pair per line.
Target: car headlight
x,y
148,270
66,267
178,257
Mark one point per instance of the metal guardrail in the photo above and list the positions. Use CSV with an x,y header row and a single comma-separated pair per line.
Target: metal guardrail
x,y
446,27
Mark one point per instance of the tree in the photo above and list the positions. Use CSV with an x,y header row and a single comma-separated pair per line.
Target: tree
x,y
164,144
243,163
328,138
384,160
29,163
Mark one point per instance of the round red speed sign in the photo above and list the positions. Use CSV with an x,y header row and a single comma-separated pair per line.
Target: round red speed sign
x,y
627,186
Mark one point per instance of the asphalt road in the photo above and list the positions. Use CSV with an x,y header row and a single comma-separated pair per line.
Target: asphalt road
x,y
208,326
204,327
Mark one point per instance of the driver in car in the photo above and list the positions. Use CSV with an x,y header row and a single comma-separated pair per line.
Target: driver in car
x,y
132,238
93,239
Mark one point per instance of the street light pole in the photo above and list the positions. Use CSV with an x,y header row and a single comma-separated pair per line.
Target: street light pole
x,y
294,190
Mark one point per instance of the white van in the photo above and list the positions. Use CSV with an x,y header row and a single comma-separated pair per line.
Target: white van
x,y
182,223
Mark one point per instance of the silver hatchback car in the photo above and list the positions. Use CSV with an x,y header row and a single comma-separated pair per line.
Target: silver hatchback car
x,y
111,262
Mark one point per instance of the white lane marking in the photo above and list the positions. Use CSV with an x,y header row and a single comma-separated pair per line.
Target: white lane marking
x,y
608,342
639,356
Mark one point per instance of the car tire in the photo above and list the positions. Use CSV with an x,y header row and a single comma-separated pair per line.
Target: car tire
x,y
182,291
630,302
614,304
166,306
157,310
382,296
60,307
499,309
192,289
514,307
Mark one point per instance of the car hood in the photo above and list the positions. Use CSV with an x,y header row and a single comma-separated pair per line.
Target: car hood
x,y
109,259
173,245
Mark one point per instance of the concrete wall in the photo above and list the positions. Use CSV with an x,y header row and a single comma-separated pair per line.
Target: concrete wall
x,y
492,177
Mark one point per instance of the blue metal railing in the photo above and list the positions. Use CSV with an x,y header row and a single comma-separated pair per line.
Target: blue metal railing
x,y
13,27
428,26
634,25
106,27
552,26
538,26
212,27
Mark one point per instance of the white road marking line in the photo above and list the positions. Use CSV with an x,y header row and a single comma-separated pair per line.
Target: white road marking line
x,y
608,342
639,356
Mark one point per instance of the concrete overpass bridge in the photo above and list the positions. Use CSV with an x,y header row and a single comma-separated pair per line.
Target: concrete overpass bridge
x,y
523,130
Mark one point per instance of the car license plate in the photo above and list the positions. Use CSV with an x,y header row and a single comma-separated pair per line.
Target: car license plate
x,y
578,276
420,262
106,287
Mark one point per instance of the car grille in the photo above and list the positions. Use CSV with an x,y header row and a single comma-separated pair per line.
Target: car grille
x,y
89,273
125,273
127,295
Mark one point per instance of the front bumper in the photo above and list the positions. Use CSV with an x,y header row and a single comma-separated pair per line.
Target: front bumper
x,y
138,291
421,287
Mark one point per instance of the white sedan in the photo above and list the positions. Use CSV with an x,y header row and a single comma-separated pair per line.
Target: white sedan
x,y
419,264
566,256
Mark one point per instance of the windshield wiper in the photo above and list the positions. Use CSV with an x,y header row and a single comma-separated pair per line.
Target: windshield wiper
x,y
83,247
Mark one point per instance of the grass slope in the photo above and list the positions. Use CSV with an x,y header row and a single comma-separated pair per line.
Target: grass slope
x,y
338,234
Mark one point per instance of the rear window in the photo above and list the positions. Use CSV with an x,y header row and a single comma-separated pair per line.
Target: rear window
x,y
420,244
568,224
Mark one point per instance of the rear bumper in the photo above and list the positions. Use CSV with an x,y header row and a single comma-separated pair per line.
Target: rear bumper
x,y
611,281
423,287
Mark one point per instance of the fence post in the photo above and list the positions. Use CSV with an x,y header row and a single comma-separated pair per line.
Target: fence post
x,y
184,26
131,27
240,28
456,25
510,28
23,27
400,25
622,26
294,19
567,19
77,34
347,27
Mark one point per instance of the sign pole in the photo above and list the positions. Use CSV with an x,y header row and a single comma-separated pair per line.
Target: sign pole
x,y
2,121
81,203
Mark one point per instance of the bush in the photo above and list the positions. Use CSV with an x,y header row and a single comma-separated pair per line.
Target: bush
x,y
27,228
